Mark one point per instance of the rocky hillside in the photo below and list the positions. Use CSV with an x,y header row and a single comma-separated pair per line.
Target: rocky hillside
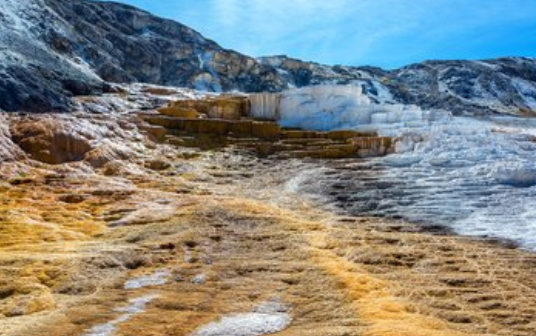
x,y
506,85
51,50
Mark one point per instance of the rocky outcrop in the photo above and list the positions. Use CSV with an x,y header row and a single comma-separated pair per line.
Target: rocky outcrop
x,y
505,85
49,141
57,139
299,73
51,50
226,106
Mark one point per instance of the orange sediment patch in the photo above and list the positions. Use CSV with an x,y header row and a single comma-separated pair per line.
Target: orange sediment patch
x,y
231,222
377,308
384,314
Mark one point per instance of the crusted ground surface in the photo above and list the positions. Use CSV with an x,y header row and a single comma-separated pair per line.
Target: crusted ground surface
x,y
173,241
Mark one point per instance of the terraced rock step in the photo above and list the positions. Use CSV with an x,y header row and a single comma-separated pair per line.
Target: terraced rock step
x,y
265,138
175,241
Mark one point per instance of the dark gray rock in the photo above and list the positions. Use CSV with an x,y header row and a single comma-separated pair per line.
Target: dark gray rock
x,y
52,50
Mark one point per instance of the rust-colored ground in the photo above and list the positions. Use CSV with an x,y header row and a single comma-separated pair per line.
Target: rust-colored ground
x,y
64,259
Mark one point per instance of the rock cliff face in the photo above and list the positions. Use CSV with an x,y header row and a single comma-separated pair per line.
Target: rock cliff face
x,y
51,50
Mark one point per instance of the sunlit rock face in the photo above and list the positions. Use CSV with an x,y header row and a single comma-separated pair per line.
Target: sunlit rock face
x,y
58,139
49,141
225,106
503,85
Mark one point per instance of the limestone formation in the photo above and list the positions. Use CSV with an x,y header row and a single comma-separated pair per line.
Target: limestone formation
x,y
47,140
234,120
332,107
267,138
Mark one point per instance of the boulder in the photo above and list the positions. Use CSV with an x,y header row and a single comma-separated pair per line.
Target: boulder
x,y
47,140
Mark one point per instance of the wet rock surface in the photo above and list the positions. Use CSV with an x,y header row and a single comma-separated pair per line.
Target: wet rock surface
x,y
219,238
474,178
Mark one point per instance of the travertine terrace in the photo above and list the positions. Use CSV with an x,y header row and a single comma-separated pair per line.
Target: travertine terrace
x,y
136,235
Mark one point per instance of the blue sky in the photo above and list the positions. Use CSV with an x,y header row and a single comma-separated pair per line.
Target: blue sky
x,y
387,33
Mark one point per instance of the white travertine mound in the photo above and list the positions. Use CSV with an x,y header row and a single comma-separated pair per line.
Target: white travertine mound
x,y
331,107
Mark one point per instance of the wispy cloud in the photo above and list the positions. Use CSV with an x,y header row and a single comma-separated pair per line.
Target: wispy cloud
x,y
378,32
